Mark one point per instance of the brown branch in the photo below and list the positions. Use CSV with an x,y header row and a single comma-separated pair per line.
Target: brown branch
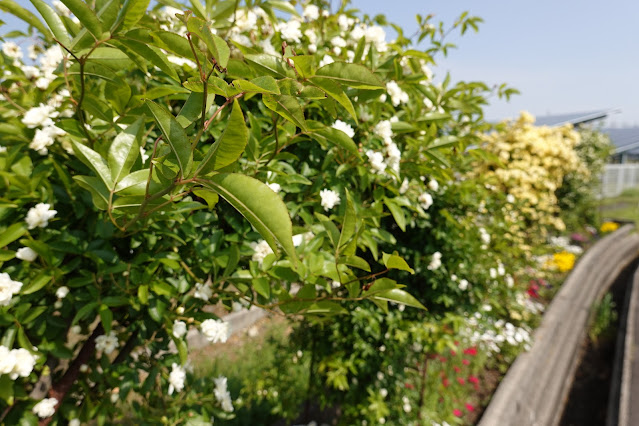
x,y
62,387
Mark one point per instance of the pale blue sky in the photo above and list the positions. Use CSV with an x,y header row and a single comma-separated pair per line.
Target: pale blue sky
x,y
564,56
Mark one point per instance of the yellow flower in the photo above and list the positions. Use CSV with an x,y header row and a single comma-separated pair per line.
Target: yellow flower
x,y
564,261
609,226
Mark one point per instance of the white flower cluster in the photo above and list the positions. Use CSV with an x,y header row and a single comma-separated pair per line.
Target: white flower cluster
x,y
496,333
215,330
39,216
564,243
398,96
290,30
42,116
203,292
391,155
45,408
177,377
435,261
16,362
179,329
107,343
222,394
329,199
344,127
425,200
298,239
8,288
485,237
27,254
261,250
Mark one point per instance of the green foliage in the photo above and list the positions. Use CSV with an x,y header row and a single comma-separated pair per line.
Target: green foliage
x,y
604,318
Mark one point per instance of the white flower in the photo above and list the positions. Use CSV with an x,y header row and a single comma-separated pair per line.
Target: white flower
x,y
275,187
39,116
215,330
107,343
74,422
510,198
377,161
425,200
261,250
329,198
493,273
383,130
463,285
24,363
290,30
115,395
176,379
179,329
179,61
41,141
484,235
62,292
433,185
311,12
404,187
376,35
510,282
383,392
337,41
45,408
344,127
8,288
326,60
30,71
7,360
428,103
435,261
298,239
343,21
39,216
222,394
12,50
202,291
27,254
398,96
501,270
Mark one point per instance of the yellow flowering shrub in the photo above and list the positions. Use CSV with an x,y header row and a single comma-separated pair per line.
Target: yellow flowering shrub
x,y
563,261
609,226
530,163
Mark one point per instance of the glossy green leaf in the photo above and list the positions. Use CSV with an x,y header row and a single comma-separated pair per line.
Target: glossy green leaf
x,y
351,75
12,233
106,317
230,146
335,91
356,262
262,286
143,294
271,65
262,207
97,188
134,183
380,285
53,21
20,12
214,43
399,296
153,55
124,150
328,135
304,65
444,142
87,17
192,108
234,258
211,198
176,44
348,224
397,212
288,107
36,284
132,11
95,162
394,261
174,135
264,84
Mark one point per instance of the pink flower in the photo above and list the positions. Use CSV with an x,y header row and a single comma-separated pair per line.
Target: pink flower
x,y
445,382
471,351
457,412
461,381
457,369
465,362
469,407
453,353
473,379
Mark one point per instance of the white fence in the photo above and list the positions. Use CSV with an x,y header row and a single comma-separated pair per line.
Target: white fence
x,y
618,177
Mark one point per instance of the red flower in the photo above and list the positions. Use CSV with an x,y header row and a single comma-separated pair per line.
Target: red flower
x,y
442,359
465,362
456,343
470,407
445,382
473,379
409,386
457,369
453,353
471,351
457,412
461,380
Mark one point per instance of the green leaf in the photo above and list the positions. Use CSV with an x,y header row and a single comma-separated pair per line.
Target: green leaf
x,y
183,350
174,134
399,296
12,233
262,286
444,142
397,212
86,16
143,294
214,43
380,284
234,258
97,188
153,55
394,261
28,17
84,312
53,21
176,44
351,75
262,207
192,108
230,146
36,284
335,91
264,84
95,162
288,107
356,262
124,150
270,65
6,389
132,11
106,317
328,135
349,223
304,65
